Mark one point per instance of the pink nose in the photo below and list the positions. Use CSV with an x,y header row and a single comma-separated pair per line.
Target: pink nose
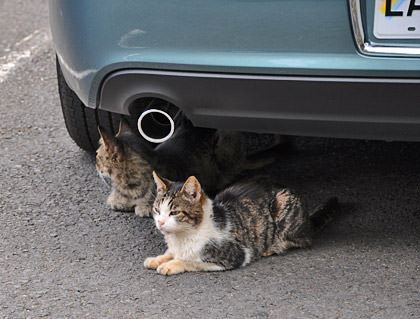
x,y
161,223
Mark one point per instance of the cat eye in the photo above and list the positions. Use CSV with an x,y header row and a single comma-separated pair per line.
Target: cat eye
x,y
156,211
174,213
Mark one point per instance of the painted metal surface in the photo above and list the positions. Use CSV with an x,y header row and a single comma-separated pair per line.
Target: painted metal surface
x,y
278,37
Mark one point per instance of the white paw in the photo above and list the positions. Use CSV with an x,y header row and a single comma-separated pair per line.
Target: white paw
x,y
118,205
151,263
142,211
170,268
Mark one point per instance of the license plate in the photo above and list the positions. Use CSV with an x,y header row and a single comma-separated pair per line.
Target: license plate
x,y
397,19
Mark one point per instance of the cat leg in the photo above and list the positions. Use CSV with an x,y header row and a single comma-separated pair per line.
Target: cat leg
x,y
119,202
298,243
155,262
261,159
143,203
143,210
229,149
177,266
281,245
292,222
143,207
268,253
269,155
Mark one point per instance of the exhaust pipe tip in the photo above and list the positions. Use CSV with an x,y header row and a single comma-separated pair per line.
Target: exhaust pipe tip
x,y
156,126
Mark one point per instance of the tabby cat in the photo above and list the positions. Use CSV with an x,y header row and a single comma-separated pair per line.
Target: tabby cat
x,y
216,157
127,173
243,223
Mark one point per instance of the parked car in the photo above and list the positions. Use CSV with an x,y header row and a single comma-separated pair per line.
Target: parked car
x,y
302,67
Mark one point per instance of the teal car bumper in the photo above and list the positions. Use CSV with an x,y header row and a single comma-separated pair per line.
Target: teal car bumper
x,y
292,67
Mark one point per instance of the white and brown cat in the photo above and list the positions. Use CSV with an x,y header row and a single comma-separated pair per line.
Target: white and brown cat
x,y
242,224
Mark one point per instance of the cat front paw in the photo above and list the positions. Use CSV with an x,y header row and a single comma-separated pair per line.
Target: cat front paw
x,y
152,262
118,204
142,211
155,262
172,267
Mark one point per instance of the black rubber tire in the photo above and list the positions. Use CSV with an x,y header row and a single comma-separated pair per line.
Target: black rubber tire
x,y
81,121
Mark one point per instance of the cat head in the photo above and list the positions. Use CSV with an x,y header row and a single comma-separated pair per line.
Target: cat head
x,y
178,207
113,154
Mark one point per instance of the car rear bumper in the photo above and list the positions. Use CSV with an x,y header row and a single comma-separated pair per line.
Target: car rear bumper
x,y
376,108
295,67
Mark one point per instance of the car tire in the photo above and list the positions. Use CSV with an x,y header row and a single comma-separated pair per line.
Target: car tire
x,y
81,121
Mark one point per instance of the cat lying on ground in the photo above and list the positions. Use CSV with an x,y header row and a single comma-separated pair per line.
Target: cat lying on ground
x,y
217,158
243,223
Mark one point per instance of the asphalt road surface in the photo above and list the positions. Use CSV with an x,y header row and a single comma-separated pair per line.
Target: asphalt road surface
x,y
65,254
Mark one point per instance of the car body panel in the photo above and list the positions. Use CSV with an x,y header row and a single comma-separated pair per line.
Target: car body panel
x,y
97,38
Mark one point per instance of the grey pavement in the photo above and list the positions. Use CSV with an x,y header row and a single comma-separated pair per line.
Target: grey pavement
x,y
65,254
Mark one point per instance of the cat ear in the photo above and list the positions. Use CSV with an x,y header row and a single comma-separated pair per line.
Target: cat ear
x,y
124,128
109,141
161,183
192,190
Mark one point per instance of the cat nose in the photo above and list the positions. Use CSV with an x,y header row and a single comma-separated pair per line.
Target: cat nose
x,y
161,222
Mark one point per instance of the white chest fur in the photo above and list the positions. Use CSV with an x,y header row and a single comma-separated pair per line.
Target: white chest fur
x,y
188,245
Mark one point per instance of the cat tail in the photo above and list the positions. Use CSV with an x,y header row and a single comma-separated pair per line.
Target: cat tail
x,y
324,214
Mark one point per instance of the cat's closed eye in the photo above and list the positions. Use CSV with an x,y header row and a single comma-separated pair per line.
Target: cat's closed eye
x,y
156,211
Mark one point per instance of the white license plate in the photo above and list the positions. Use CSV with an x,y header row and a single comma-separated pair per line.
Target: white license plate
x,y
397,19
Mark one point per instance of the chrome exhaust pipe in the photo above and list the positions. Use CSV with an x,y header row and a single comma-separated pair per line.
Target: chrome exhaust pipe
x,y
156,126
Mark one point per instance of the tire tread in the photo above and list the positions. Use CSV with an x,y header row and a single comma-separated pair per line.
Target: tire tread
x,y
81,121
